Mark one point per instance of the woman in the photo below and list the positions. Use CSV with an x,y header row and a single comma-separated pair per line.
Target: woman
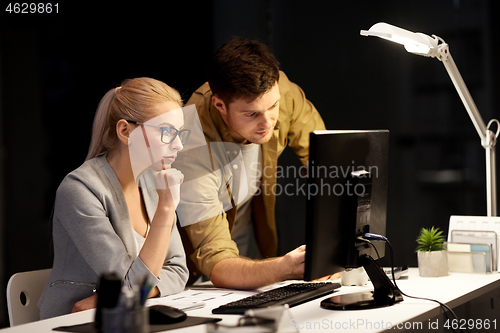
x,y
108,218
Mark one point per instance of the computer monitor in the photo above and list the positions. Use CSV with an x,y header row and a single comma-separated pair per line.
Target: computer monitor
x,y
347,186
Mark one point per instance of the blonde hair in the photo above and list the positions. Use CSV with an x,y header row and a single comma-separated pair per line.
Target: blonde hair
x,y
135,100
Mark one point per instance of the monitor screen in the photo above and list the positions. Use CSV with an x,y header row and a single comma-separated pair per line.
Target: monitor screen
x,y
347,186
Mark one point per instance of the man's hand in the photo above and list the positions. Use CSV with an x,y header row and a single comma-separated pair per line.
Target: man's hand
x,y
243,273
294,263
85,304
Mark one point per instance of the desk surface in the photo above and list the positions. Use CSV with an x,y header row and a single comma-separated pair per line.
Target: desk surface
x,y
453,290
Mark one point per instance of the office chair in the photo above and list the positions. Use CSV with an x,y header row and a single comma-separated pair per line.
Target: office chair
x,y
23,291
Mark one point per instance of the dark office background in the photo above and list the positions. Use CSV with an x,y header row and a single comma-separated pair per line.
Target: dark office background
x,y
54,68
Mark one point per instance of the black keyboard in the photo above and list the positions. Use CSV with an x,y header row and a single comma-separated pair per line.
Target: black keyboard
x,y
292,294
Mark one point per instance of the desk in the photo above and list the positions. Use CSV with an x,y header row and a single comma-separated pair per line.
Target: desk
x,y
454,290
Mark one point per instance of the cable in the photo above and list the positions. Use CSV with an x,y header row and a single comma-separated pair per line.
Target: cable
x,y
370,236
370,243
443,306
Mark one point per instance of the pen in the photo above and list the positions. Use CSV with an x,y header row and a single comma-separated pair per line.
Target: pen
x,y
144,291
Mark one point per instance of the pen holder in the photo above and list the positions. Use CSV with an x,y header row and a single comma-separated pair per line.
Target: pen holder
x,y
120,320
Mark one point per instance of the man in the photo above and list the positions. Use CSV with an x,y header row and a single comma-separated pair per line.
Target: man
x,y
247,102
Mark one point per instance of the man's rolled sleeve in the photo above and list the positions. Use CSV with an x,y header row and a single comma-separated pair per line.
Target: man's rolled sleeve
x,y
201,211
212,243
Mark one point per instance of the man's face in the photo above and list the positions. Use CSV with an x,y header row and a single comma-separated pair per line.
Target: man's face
x,y
251,121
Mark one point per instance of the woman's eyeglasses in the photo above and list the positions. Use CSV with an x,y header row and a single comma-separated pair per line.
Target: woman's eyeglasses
x,y
168,133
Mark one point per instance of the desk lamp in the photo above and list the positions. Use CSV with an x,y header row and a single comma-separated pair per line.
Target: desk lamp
x,y
436,47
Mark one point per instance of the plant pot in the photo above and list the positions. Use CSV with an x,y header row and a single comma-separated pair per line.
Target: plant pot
x,y
433,264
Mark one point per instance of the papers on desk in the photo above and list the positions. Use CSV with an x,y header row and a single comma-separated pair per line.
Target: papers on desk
x,y
469,258
483,235
191,299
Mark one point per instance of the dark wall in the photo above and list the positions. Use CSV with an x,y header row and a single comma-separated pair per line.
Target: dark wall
x,y
437,164
55,68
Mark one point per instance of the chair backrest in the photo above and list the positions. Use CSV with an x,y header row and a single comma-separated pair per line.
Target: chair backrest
x,y
23,292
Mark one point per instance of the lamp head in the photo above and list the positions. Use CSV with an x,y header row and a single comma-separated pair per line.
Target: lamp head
x,y
417,43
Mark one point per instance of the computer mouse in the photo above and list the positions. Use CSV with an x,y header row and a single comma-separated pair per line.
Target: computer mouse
x,y
164,314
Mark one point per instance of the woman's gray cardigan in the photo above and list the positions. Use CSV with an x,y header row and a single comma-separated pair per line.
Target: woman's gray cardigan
x,y
93,235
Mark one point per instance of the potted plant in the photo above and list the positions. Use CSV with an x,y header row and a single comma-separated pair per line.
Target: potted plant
x,y
432,257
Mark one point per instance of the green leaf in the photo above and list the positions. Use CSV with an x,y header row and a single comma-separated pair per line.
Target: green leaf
x,y
430,240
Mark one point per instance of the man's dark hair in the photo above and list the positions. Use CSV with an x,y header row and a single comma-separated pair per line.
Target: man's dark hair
x,y
242,68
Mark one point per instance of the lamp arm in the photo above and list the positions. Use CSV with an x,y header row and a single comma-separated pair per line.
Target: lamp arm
x,y
488,138
437,48
445,57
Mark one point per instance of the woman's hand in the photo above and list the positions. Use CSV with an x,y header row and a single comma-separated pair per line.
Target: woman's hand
x,y
153,252
85,304
168,185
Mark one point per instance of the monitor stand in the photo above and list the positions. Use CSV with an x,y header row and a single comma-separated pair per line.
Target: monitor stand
x,y
384,294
